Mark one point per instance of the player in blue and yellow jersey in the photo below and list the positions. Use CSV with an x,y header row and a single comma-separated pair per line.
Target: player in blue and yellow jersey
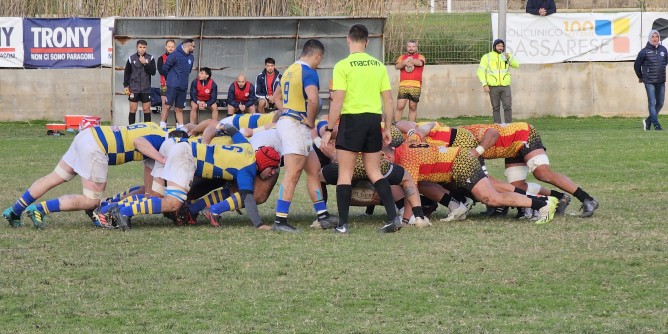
x,y
89,156
184,160
298,100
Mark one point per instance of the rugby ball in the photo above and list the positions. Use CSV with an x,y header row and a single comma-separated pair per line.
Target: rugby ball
x,y
409,68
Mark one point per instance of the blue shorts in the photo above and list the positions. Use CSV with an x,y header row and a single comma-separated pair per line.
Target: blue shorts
x,y
176,97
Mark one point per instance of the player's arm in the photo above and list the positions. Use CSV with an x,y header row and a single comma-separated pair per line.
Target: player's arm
x,y
214,94
245,181
160,65
312,104
143,145
278,101
488,140
388,115
126,74
399,64
419,62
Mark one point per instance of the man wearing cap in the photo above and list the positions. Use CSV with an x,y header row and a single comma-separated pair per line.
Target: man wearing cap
x,y
494,75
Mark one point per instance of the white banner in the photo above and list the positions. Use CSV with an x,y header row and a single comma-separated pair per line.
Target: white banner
x,y
654,21
106,40
11,42
572,37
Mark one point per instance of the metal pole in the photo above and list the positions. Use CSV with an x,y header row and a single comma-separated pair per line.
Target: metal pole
x,y
449,6
503,9
432,6
178,4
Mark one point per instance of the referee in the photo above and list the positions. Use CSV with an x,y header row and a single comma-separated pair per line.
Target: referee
x,y
359,82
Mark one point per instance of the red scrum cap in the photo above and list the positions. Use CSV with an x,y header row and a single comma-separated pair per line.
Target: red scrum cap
x,y
267,157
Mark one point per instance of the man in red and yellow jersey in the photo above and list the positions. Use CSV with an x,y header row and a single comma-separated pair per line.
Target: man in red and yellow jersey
x,y
410,66
521,146
440,164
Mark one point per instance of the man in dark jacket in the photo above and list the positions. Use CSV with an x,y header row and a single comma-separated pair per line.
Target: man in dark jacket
x,y
177,69
203,95
265,84
170,46
650,67
541,7
241,97
137,81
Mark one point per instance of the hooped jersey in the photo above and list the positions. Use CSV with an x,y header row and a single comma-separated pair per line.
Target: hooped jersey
x,y
234,162
425,162
118,141
512,137
293,85
411,79
250,121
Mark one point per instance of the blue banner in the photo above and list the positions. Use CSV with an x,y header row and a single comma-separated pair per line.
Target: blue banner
x,y
61,43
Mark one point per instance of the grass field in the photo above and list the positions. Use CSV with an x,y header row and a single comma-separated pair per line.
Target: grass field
x,y
605,274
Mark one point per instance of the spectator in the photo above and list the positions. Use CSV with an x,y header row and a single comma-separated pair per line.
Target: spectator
x,y
494,75
170,45
177,69
203,95
137,81
265,84
541,7
410,66
650,67
241,97
361,90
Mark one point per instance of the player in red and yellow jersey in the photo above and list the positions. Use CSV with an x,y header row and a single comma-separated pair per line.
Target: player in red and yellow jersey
x,y
521,146
440,164
410,66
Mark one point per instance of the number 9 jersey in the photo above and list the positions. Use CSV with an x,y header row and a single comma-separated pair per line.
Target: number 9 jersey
x,y
295,79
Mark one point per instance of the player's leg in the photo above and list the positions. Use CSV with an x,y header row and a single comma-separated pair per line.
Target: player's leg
x,y
214,112
146,106
193,112
134,104
261,105
412,110
401,105
314,188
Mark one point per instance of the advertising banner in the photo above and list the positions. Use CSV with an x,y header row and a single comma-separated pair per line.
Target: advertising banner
x,y
61,43
564,37
11,42
654,21
107,40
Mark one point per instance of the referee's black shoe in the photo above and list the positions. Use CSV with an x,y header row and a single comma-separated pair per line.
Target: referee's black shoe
x,y
391,226
283,227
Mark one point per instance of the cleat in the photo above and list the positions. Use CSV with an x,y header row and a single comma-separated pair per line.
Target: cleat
x,y
171,216
469,203
283,227
342,229
391,226
422,222
588,207
36,216
458,213
547,211
658,128
101,219
213,218
328,222
123,222
495,211
13,219
525,213
90,213
563,204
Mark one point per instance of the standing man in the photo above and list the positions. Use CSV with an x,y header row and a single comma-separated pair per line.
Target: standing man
x,y
298,99
177,69
241,97
359,82
494,76
203,95
541,7
170,45
650,67
137,81
410,66
266,83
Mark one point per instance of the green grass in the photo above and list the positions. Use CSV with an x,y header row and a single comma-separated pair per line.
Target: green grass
x,y
602,274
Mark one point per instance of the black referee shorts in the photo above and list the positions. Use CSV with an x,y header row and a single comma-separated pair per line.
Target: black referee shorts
x,y
360,133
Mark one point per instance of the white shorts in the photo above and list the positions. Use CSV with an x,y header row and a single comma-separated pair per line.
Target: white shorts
x,y
180,166
158,168
226,120
295,137
87,158
266,138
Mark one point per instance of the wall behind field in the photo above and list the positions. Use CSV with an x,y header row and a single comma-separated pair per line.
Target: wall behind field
x,y
574,89
51,93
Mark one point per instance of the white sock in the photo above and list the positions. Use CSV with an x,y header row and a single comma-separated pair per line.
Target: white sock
x,y
163,125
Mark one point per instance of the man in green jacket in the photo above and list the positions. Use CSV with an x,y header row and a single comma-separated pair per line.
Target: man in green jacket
x,y
494,76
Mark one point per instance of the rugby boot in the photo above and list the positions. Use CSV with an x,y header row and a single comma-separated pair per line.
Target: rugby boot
x,y
13,219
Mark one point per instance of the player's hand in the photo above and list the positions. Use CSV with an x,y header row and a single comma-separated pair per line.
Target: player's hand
x,y
474,153
201,104
270,99
242,107
326,145
485,89
387,136
126,91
